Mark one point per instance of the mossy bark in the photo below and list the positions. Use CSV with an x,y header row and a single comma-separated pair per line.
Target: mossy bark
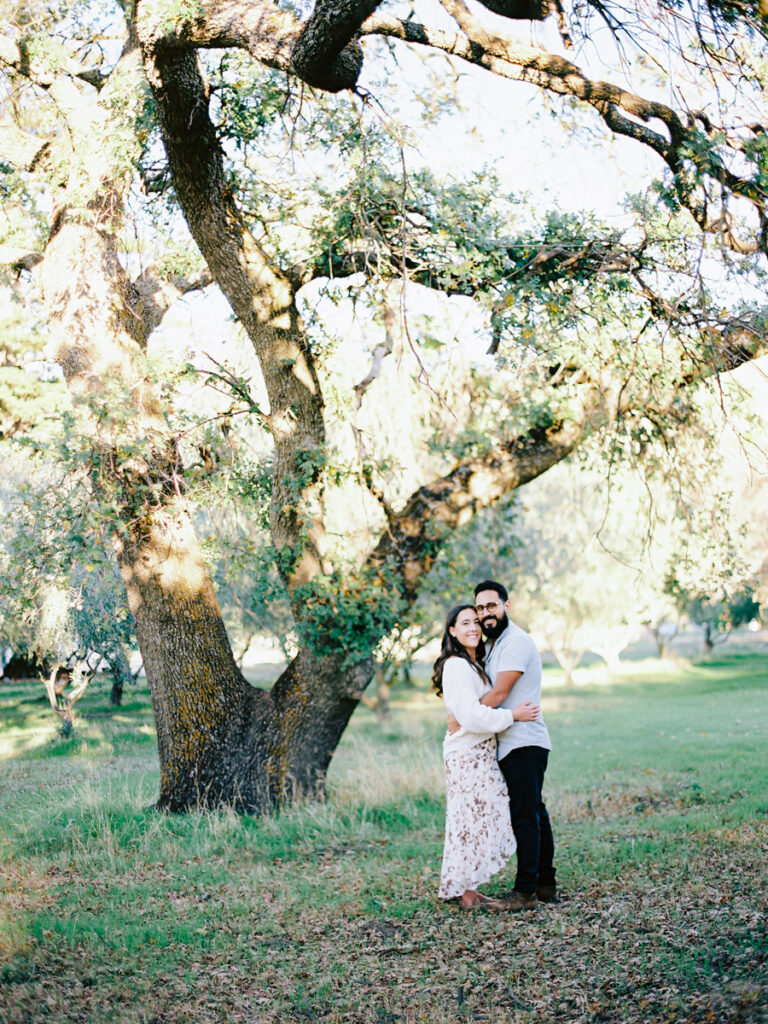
x,y
221,740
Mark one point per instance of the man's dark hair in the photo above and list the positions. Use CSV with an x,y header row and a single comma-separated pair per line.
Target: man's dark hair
x,y
492,585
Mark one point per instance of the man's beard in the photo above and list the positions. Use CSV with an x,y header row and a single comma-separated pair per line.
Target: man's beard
x,y
493,630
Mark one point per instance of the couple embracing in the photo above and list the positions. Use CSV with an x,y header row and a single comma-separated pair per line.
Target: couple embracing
x,y
495,754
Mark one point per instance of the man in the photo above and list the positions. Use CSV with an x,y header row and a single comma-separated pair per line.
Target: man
x,y
514,668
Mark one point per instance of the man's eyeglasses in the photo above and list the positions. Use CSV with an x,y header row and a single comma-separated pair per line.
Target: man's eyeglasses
x,y
480,608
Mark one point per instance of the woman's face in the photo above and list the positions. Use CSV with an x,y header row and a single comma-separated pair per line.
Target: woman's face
x,y
467,629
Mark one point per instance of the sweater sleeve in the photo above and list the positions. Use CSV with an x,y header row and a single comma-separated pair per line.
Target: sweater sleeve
x,y
461,699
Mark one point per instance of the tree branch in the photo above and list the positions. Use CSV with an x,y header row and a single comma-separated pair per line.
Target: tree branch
x,y
154,295
520,10
321,55
261,297
509,58
277,39
623,112
20,149
524,259
17,259
15,55
382,350
259,27
415,535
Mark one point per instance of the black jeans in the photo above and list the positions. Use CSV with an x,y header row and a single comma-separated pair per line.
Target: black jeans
x,y
523,770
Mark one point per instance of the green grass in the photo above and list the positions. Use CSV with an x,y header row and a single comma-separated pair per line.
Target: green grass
x,y
658,790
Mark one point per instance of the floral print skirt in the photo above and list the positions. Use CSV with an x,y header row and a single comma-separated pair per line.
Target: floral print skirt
x,y
478,832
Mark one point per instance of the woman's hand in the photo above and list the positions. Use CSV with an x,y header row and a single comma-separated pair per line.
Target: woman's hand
x,y
526,712
453,724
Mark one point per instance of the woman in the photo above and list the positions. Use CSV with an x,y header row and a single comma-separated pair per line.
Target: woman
x,y
478,833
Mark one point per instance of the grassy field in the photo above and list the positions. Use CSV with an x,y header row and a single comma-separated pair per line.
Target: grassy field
x,y
658,791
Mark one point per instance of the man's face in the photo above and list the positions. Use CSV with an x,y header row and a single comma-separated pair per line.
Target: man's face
x,y
491,612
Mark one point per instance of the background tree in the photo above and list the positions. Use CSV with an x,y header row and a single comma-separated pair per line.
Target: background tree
x,y
62,600
574,590
588,329
716,612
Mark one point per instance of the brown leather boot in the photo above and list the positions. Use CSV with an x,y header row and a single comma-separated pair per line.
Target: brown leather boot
x,y
521,901
547,894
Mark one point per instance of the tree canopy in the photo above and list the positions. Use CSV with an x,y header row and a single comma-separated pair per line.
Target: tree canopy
x,y
282,138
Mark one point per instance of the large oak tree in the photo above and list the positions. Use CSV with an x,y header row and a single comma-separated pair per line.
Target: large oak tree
x,y
85,117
